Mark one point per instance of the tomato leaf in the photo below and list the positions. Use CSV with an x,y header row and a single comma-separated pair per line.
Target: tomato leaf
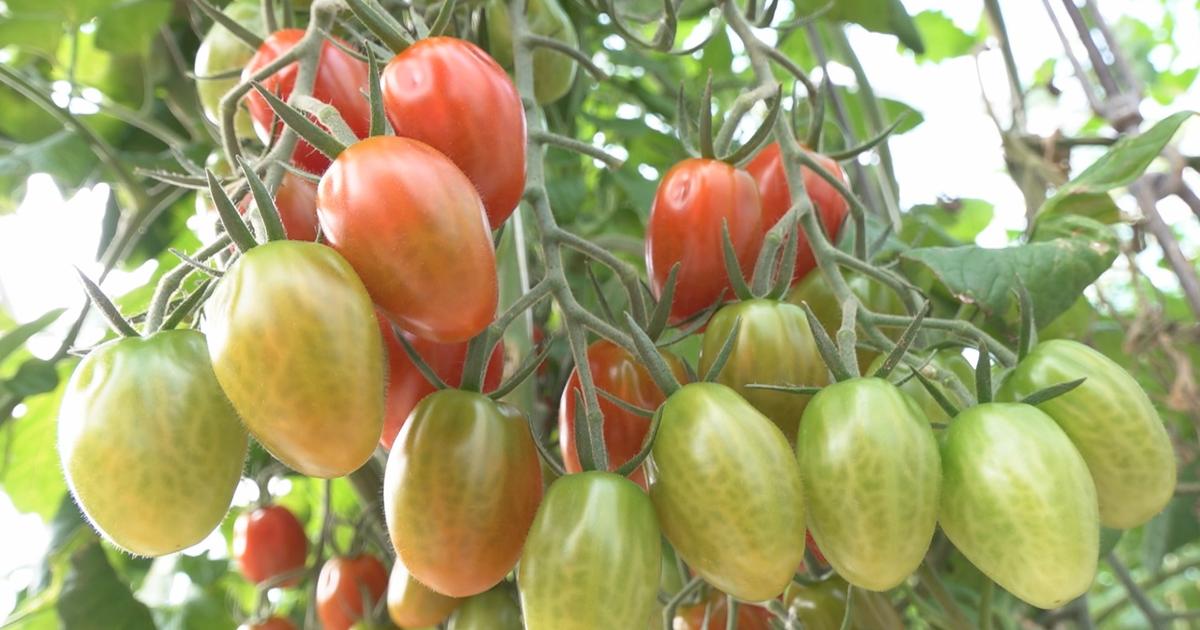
x,y
94,596
943,39
15,338
30,473
881,16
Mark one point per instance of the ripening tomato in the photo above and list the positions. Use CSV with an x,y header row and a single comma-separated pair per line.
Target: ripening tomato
x,y
413,228
491,610
619,373
774,346
1019,503
595,534
749,616
767,170
345,582
412,604
451,95
462,484
727,491
295,198
814,289
270,623
221,52
150,446
553,72
948,360
1110,420
341,81
295,345
407,385
268,543
694,199
872,477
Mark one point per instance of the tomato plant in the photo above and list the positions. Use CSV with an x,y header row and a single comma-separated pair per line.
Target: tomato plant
x,y
695,199
491,610
145,430
814,290
269,543
412,604
462,485
341,81
331,341
619,373
345,585
554,72
595,532
451,95
398,242
949,361
221,52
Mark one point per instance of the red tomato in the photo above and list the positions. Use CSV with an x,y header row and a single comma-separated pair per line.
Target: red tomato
x,y
749,616
451,95
269,542
412,226
407,386
341,588
296,199
619,373
767,170
270,623
693,200
341,81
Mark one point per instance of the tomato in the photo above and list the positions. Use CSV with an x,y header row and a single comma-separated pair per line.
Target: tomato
x,y
749,616
814,549
1111,421
949,360
822,606
619,373
1019,503
767,170
423,248
296,200
727,491
872,478
144,429
412,604
694,199
774,346
269,542
462,484
270,623
814,289
451,95
295,345
553,72
221,51
596,533
341,81
345,582
490,610
407,385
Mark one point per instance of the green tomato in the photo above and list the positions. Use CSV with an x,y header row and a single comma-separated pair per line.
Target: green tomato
x,y
727,491
1019,503
150,446
822,606
295,345
774,346
948,360
1110,420
814,289
592,558
872,472
553,71
220,52
491,610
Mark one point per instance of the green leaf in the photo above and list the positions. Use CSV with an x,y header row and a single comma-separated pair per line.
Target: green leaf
x,y
892,110
881,16
952,222
943,39
95,597
1087,193
30,472
15,338
62,154
130,26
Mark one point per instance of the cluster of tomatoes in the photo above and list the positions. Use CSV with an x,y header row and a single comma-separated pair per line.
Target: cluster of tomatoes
x,y
298,348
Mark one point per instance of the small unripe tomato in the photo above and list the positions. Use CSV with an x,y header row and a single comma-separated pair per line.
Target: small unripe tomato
x,y
269,542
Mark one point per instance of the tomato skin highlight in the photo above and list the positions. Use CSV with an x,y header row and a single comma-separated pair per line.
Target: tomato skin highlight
x,y
423,250
619,373
491,610
341,81
412,604
407,385
774,346
749,616
449,94
694,199
341,585
727,491
144,429
595,533
767,170
331,341
872,474
1019,503
1111,421
269,542
462,484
